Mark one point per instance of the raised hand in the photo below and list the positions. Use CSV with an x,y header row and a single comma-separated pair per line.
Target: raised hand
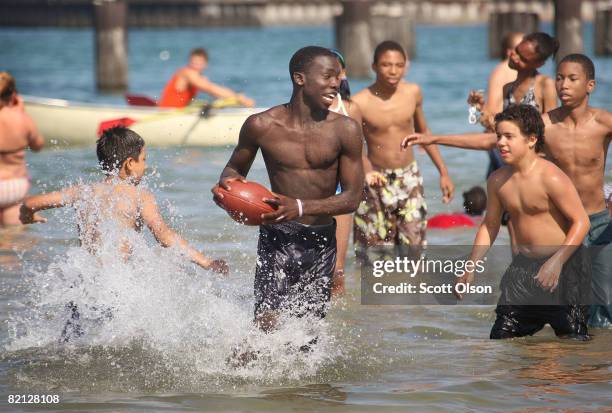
x,y
476,98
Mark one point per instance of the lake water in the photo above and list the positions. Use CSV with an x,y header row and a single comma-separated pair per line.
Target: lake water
x,y
174,326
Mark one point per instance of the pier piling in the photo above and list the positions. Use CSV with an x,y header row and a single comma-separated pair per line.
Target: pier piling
x,y
603,32
568,27
110,22
394,27
502,23
353,38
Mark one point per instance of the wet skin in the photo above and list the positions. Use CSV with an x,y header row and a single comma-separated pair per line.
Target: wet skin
x,y
306,149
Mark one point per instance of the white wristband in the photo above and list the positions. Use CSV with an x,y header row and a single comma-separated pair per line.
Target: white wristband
x,y
300,207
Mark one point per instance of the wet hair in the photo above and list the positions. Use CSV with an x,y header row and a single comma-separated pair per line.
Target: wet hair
x,y
7,87
388,45
507,41
115,146
305,56
528,120
199,52
475,201
582,60
344,89
545,45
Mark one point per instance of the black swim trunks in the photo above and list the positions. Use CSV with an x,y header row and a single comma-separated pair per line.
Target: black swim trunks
x,y
73,328
295,266
524,307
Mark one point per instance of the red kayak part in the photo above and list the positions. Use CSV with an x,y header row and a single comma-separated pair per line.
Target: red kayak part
x,y
104,125
443,221
139,100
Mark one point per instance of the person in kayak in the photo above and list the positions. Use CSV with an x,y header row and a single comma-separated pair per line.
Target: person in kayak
x,y
188,81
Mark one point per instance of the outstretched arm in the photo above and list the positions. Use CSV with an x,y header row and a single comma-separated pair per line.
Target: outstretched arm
x,y
35,203
477,141
213,89
420,125
168,238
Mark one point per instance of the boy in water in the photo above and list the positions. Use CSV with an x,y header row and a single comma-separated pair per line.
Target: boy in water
x,y
394,209
549,280
577,140
116,199
188,81
474,206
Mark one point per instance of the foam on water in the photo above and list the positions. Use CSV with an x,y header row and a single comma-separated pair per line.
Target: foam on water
x,y
155,312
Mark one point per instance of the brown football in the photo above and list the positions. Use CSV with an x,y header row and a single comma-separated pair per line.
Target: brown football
x,y
244,201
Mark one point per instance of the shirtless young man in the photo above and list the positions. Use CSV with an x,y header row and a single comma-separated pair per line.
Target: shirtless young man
x,y
116,200
548,281
306,149
577,140
17,133
393,212
188,81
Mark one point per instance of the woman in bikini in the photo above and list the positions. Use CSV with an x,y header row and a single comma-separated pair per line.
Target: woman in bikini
x,y
17,133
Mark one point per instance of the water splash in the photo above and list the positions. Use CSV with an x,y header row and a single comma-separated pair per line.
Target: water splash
x,y
149,321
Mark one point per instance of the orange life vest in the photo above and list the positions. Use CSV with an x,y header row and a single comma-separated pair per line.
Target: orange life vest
x,y
172,98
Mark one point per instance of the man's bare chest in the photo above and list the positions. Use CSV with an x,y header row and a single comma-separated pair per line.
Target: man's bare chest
x,y
316,150
386,115
524,196
577,148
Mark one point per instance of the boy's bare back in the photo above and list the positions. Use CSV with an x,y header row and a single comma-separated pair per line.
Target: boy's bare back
x,y
124,206
117,201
